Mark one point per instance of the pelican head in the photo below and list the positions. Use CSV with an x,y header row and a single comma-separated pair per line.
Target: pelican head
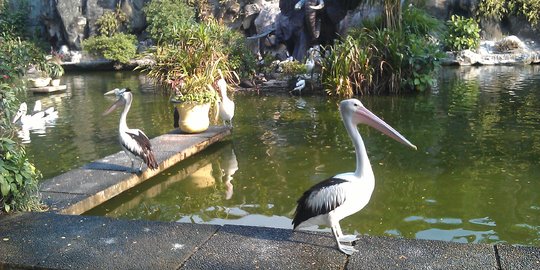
x,y
23,108
124,96
352,110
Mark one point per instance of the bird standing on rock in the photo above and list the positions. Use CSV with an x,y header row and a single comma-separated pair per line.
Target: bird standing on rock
x,y
340,196
133,141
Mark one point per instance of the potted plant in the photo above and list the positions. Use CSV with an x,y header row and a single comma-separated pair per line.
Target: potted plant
x,y
193,98
55,71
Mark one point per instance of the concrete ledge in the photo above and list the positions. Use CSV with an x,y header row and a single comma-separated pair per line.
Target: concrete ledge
x,y
54,241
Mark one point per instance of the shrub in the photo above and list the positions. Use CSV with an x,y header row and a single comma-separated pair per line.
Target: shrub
x,y
16,55
500,8
119,47
18,177
462,34
377,60
110,22
13,22
166,18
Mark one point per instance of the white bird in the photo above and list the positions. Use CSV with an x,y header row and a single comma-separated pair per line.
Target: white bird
x,y
50,113
300,84
331,200
27,120
226,105
133,141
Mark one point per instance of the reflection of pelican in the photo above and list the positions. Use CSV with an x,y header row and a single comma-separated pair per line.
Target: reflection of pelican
x,y
226,105
229,166
134,141
331,200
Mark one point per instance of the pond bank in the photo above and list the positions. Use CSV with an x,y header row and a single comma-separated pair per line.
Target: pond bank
x,y
53,241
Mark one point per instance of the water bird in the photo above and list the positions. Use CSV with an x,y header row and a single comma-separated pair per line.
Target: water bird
x,y
133,141
226,105
28,120
342,195
299,86
50,113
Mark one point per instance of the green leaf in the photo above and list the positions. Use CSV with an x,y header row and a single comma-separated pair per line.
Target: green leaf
x,y
4,188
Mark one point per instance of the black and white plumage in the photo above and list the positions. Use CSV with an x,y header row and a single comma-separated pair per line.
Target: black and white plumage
x,y
133,141
342,195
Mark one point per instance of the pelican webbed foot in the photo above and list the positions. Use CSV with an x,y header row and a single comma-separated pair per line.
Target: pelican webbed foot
x,y
349,250
348,238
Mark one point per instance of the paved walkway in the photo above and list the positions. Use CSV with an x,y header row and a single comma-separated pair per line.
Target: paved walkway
x,y
54,240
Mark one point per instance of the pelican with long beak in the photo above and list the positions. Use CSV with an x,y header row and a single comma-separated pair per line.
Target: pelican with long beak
x,y
133,141
342,195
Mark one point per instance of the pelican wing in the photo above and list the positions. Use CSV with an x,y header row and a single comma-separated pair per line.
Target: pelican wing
x,y
320,199
142,148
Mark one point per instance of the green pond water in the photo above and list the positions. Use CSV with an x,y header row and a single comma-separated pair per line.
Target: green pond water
x,y
474,179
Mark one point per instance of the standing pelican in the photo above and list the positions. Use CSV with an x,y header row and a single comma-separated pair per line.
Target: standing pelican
x,y
226,105
331,200
134,142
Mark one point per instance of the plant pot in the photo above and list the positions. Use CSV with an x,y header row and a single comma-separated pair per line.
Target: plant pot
x,y
38,82
193,117
55,82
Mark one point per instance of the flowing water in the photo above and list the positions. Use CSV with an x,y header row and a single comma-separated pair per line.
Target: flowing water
x,y
474,179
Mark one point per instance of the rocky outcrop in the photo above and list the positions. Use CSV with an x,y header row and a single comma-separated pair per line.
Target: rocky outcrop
x,y
68,22
507,51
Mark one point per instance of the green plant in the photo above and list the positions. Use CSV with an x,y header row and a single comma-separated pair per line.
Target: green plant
x,y
55,70
110,22
18,179
14,21
119,47
293,68
166,18
378,60
16,56
500,8
462,34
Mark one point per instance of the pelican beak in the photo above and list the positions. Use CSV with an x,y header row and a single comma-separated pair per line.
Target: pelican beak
x,y
368,118
17,116
319,6
118,103
111,92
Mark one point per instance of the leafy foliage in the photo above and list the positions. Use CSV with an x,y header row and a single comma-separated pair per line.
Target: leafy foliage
x,y
110,22
167,18
18,179
16,55
190,62
530,9
378,60
463,33
119,47
13,22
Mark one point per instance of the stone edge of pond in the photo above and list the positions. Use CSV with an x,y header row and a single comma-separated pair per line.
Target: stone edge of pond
x,y
81,189
54,241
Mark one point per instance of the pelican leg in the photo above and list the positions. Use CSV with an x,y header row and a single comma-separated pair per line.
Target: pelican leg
x,y
140,166
349,250
350,238
129,156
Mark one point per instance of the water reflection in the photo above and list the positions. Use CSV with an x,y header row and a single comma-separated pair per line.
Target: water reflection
x,y
229,165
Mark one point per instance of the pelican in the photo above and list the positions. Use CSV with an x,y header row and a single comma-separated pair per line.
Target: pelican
x,y
50,113
27,120
226,106
133,141
300,84
342,195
